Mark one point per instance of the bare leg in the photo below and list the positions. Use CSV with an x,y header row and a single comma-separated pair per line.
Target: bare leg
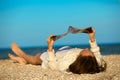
x,y
29,58
18,59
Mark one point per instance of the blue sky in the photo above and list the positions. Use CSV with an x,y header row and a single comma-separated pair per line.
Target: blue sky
x,y
30,22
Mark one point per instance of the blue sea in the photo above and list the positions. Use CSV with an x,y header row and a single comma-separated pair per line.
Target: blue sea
x,y
106,49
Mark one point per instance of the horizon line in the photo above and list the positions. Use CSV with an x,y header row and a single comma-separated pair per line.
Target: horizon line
x,y
59,45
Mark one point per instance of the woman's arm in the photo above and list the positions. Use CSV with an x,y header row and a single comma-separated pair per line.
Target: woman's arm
x,y
95,48
51,55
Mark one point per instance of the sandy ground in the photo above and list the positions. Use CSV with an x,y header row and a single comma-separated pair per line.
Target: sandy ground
x,y
15,71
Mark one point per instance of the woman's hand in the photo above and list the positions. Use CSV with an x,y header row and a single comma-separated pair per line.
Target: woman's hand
x,y
92,35
50,43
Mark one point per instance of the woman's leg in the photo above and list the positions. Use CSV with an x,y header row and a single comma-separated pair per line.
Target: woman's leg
x,y
18,59
29,58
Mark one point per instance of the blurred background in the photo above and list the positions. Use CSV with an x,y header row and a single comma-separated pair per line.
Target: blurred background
x,y
30,22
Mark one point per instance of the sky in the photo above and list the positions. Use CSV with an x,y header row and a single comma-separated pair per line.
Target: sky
x,y
30,22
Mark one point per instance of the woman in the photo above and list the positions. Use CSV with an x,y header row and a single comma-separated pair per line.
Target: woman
x,y
66,59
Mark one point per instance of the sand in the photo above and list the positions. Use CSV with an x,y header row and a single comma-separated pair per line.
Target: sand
x,y
15,71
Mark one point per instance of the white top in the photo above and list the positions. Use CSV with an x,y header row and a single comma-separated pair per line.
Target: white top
x,y
66,56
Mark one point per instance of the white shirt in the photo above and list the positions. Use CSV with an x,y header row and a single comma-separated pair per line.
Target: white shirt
x,y
66,56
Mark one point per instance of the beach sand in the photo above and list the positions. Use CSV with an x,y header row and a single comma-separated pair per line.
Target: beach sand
x,y
15,71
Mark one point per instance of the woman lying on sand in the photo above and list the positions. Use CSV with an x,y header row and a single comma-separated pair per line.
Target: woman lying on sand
x,y
66,59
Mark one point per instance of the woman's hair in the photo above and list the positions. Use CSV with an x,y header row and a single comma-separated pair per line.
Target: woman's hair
x,y
85,64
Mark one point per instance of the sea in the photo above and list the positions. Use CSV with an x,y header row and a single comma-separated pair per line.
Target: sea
x,y
105,49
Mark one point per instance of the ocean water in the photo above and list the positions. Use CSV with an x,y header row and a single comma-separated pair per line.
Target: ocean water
x,y
106,49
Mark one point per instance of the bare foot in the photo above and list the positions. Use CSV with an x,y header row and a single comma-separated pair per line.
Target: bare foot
x,y
18,59
17,50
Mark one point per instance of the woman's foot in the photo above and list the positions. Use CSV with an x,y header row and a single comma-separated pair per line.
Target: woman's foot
x,y
18,59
